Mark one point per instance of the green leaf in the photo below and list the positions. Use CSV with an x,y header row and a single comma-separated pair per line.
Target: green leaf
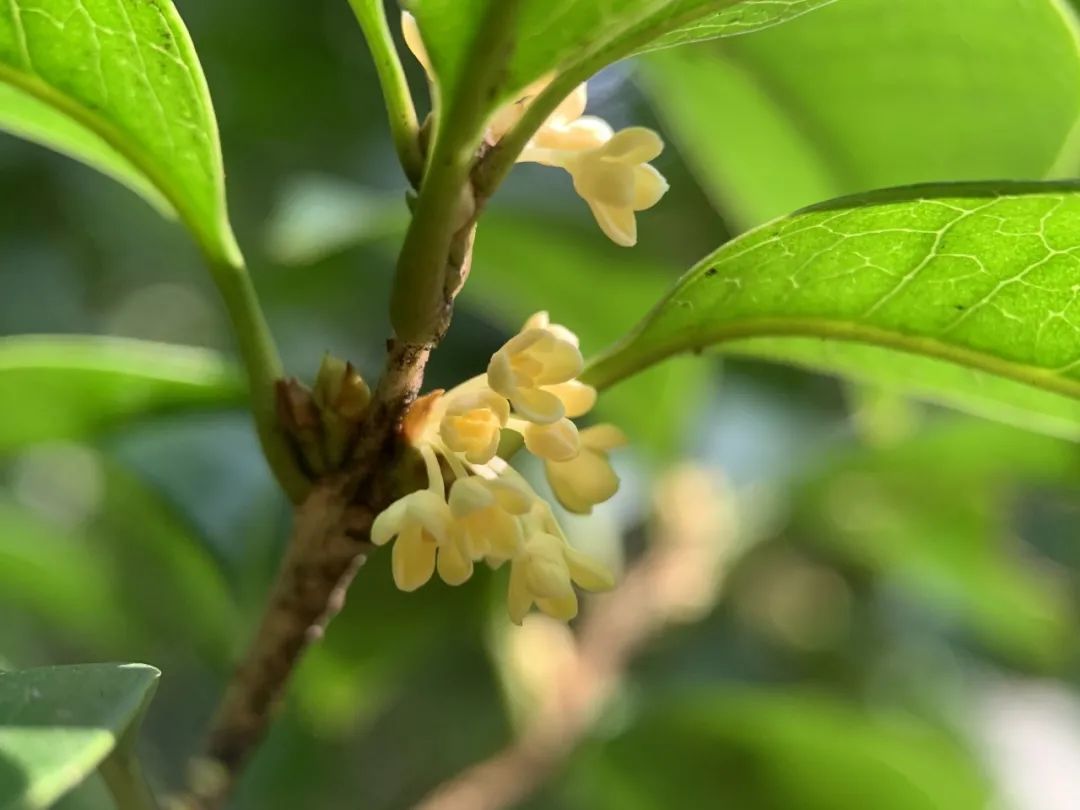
x,y
59,724
117,84
957,91
928,513
580,37
984,280
742,748
104,561
68,387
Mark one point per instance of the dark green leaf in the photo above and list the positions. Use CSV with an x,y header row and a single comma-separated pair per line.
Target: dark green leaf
x,y
58,724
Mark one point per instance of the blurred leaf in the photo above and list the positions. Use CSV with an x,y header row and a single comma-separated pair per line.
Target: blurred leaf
x,y
981,276
66,387
113,578
932,513
964,90
320,216
58,724
753,750
582,36
117,84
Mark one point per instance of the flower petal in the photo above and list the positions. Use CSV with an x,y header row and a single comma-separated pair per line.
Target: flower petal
x,y
577,397
583,482
518,597
563,608
413,559
633,145
618,224
603,437
388,522
557,441
587,572
454,566
602,181
410,32
468,495
649,187
537,405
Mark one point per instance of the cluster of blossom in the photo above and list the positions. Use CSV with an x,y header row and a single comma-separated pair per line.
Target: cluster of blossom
x,y
489,512
610,170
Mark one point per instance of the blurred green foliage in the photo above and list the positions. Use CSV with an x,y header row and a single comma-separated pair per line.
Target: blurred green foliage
x,y
885,578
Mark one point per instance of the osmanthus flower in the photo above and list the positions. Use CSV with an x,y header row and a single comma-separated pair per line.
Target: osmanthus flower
x,y
486,511
610,170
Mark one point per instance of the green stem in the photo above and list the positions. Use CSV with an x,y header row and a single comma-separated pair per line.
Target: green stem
x,y
446,203
123,776
399,104
263,365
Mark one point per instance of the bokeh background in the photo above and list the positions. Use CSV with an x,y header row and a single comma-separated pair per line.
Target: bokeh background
x,y
835,597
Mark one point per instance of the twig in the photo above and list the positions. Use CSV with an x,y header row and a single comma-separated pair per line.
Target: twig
x,y
675,580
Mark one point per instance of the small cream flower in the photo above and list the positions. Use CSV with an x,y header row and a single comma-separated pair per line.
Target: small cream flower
x,y
616,180
588,478
410,32
531,362
558,441
544,572
485,516
421,521
472,424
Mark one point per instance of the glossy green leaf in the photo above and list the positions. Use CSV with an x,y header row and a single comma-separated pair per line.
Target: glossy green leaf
x,y
117,84
992,94
984,278
749,749
68,387
59,724
581,36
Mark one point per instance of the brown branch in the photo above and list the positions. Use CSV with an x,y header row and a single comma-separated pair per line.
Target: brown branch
x,y
676,579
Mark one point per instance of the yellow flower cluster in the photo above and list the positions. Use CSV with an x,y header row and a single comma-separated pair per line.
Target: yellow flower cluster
x,y
489,512
610,170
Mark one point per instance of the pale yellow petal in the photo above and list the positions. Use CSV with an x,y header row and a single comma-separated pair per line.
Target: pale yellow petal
x,y
500,373
583,482
410,32
504,536
633,145
571,107
577,397
557,441
537,405
649,187
583,135
430,511
603,182
389,521
468,495
518,597
563,608
560,359
412,559
618,224
513,494
538,320
587,572
454,566
604,436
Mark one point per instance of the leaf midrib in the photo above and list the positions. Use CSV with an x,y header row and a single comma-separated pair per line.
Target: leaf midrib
x,y
606,369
